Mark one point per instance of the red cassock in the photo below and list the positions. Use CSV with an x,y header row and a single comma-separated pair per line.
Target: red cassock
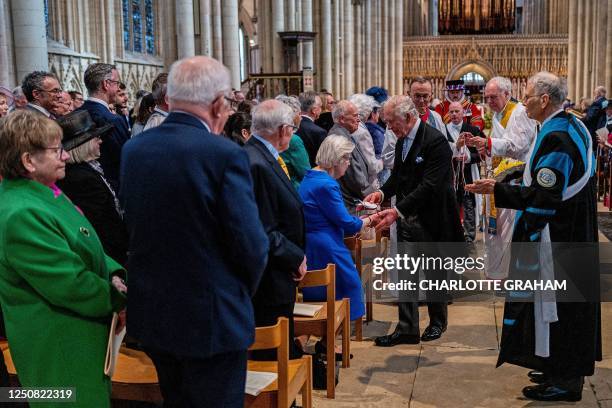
x,y
471,113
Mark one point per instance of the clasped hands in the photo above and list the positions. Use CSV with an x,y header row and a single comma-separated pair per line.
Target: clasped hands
x,y
469,140
381,219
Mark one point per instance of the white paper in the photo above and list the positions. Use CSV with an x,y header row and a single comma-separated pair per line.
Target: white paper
x,y
257,381
112,347
306,309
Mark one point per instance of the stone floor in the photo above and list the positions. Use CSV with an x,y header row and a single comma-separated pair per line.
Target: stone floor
x,y
456,371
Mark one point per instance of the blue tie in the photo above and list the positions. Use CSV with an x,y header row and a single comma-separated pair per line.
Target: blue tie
x,y
406,147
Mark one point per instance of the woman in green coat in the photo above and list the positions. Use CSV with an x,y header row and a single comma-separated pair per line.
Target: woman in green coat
x,y
56,290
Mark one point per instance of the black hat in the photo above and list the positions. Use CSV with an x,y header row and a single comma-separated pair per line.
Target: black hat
x,y
455,85
78,128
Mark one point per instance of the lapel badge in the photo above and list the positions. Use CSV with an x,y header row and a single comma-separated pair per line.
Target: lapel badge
x,y
84,231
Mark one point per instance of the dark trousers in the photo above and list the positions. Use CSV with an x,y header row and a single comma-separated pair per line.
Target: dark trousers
x,y
267,315
410,230
468,201
186,382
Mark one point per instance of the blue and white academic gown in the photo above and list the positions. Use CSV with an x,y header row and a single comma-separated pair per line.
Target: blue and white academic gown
x,y
556,204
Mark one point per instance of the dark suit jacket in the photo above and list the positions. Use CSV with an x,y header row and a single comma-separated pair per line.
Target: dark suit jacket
x,y
280,210
85,187
325,121
197,247
422,184
474,155
112,142
312,136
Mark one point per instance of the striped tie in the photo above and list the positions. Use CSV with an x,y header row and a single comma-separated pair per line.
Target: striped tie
x,y
283,166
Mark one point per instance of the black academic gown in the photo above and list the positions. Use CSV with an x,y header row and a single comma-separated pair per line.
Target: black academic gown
x,y
575,339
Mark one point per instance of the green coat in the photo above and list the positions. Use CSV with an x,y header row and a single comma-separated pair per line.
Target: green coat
x,y
55,292
296,159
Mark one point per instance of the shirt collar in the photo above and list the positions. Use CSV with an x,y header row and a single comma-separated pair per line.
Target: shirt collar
x,y
40,109
552,115
161,111
413,131
268,145
100,101
192,115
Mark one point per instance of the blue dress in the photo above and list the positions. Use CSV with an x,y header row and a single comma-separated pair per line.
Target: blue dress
x,y
327,222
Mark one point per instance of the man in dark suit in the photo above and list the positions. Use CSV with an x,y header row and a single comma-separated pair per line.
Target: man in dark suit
x,y
280,210
197,246
102,82
43,92
466,158
426,208
311,134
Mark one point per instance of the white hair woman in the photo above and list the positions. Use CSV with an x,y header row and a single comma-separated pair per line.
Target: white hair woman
x,y
328,221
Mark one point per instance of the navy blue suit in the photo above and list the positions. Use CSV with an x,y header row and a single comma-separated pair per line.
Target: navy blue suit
x,y
112,142
197,253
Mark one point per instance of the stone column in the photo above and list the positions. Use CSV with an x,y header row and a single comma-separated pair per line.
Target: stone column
x,y
572,47
600,37
184,28
580,55
336,34
587,60
307,26
6,41
399,29
392,47
349,45
111,34
369,80
30,36
231,43
358,51
206,28
385,44
217,30
608,72
70,40
327,46
433,17
278,25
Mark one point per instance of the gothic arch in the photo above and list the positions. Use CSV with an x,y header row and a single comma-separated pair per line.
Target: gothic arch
x,y
479,66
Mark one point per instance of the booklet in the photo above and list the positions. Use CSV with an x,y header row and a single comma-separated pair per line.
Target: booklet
x,y
113,346
257,381
306,309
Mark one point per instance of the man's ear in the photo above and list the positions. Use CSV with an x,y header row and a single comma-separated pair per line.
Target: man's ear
x,y
217,106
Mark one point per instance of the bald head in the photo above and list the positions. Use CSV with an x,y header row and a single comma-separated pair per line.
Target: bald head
x,y
455,111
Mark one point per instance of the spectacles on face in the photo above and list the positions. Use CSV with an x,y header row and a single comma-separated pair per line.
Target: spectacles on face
x,y
112,81
527,97
346,159
420,96
490,97
55,91
293,127
59,150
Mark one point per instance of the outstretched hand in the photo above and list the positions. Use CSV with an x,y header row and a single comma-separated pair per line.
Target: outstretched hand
x,y
384,219
483,186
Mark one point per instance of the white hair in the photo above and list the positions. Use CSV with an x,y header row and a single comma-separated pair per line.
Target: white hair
x,y
546,83
83,153
198,80
401,105
290,101
332,149
269,115
340,109
364,103
601,90
502,83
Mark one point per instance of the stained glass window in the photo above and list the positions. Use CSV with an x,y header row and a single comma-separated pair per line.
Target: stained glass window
x,y
149,27
47,16
137,25
126,24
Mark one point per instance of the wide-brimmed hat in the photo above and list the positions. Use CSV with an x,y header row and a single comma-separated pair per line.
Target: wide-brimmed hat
x,y
455,85
8,94
79,128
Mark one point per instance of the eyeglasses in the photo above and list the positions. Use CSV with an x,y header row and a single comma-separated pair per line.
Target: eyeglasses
x,y
527,97
487,97
420,96
293,127
59,150
55,91
113,81
346,159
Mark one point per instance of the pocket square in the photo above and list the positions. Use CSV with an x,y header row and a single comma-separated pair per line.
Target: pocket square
x,y
418,160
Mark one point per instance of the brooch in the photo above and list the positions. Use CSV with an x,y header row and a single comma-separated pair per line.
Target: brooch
x,y
84,231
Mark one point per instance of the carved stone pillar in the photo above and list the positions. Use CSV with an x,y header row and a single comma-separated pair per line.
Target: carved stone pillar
x,y
184,28
349,44
206,45
399,46
308,59
217,27
572,49
327,46
231,43
29,32
608,72
278,25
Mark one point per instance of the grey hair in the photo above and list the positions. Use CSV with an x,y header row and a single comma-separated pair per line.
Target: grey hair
x,y
332,149
269,115
401,105
364,103
17,91
307,100
95,74
83,153
600,90
33,81
290,101
546,83
502,83
340,109
198,80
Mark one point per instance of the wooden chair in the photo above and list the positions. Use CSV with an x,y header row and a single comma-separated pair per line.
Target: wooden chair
x,y
332,319
135,377
294,376
354,245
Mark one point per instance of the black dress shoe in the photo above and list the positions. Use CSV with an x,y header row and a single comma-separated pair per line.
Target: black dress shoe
x,y
391,340
549,392
432,333
537,377
321,349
